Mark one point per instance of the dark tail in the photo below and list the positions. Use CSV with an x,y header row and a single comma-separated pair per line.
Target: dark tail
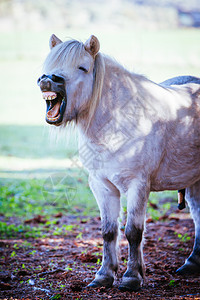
x,y
181,199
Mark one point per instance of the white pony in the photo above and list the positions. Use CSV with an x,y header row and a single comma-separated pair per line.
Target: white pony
x,y
135,136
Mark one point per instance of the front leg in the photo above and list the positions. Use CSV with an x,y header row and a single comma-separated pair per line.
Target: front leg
x,y
108,199
137,197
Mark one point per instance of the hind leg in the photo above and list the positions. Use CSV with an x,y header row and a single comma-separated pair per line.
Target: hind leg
x,y
192,264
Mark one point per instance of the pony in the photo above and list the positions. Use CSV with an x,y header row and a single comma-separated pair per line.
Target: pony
x,y
135,136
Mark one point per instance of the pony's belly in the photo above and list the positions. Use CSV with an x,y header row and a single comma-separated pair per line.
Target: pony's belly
x,y
180,166
175,180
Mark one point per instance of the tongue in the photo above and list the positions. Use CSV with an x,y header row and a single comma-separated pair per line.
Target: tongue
x,y
52,113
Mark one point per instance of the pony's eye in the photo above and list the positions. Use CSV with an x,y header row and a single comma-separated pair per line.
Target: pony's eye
x,y
83,69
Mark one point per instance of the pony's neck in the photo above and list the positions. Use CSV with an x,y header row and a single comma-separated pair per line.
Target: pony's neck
x,y
124,99
119,87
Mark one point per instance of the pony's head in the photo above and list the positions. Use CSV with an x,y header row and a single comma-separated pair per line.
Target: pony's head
x,y
72,80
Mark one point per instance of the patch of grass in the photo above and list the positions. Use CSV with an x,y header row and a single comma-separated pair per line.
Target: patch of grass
x,y
158,209
27,231
67,268
183,237
181,249
61,230
11,230
79,236
13,254
26,198
172,283
56,297
20,198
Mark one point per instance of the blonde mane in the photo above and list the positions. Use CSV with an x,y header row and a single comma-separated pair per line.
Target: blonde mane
x,y
98,79
73,50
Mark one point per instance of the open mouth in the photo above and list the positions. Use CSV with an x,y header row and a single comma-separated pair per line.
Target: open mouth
x,y
56,104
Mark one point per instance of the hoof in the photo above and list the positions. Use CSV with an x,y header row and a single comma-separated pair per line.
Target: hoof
x,y
101,282
131,284
189,268
94,284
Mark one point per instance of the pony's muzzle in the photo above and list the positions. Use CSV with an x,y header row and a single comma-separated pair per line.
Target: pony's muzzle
x,y
50,82
45,85
53,92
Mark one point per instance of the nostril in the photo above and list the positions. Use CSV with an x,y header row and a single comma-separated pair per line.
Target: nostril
x,y
41,84
45,85
40,78
48,85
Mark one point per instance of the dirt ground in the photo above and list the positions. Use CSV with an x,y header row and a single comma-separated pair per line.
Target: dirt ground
x,y
60,267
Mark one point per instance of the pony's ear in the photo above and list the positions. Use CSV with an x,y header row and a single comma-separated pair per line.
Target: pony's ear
x,y
92,45
53,41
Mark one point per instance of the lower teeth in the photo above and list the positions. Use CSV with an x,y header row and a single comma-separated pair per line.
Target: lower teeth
x,y
54,119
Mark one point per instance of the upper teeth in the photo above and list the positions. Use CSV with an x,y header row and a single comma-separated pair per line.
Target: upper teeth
x,y
48,96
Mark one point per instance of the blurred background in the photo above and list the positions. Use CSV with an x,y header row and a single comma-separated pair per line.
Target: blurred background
x,y
157,38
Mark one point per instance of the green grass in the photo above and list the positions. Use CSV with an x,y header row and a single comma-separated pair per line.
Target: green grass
x,y
58,192
183,238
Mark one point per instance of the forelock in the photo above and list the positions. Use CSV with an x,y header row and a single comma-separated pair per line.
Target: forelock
x,y
66,52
